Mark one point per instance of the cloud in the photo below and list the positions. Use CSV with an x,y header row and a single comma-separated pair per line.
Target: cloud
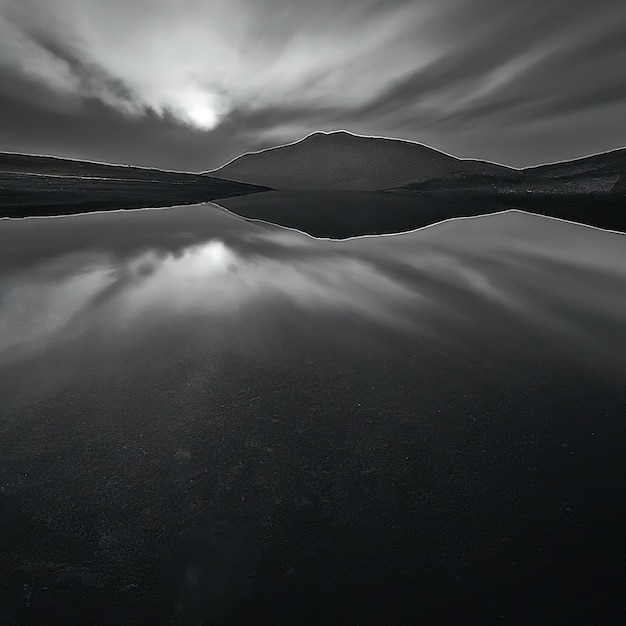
x,y
196,61
231,75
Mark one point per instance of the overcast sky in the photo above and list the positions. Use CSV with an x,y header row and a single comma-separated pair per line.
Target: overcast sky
x,y
190,84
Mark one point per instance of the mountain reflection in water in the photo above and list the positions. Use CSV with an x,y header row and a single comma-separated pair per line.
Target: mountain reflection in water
x,y
209,418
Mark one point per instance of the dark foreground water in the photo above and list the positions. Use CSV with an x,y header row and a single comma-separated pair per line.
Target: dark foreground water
x,y
210,421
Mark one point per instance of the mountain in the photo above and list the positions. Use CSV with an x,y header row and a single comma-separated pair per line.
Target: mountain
x,y
57,166
340,185
343,161
597,174
43,185
601,172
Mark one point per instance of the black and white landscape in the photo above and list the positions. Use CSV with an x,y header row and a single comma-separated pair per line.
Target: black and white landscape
x,y
209,418
258,370
334,185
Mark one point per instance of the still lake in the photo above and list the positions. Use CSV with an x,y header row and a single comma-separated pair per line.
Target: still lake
x,y
208,420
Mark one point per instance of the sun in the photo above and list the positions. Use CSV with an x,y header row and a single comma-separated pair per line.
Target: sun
x,y
202,115
200,109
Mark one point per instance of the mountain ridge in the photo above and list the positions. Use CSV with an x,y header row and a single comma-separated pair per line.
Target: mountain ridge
x,y
47,185
50,165
341,160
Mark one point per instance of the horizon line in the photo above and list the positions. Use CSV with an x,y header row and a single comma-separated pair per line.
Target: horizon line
x,y
315,132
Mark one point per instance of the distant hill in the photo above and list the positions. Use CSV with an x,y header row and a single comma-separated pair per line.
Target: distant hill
x,y
43,185
607,169
596,174
343,161
17,163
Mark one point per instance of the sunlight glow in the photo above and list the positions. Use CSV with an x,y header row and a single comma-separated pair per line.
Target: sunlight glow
x,y
200,109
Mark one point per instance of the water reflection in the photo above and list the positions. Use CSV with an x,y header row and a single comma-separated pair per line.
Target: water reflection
x,y
120,272
219,418
42,302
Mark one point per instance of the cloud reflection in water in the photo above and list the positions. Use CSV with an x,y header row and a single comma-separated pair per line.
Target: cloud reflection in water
x,y
507,277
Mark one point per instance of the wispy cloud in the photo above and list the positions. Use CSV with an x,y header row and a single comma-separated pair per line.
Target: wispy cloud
x,y
197,61
451,73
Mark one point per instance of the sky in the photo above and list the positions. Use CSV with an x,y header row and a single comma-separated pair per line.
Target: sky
x,y
191,84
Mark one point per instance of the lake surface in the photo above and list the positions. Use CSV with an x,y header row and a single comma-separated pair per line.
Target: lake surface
x,y
205,420
343,214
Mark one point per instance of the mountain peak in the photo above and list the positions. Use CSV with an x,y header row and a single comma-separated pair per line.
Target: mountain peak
x,y
326,133
332,135
341,160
